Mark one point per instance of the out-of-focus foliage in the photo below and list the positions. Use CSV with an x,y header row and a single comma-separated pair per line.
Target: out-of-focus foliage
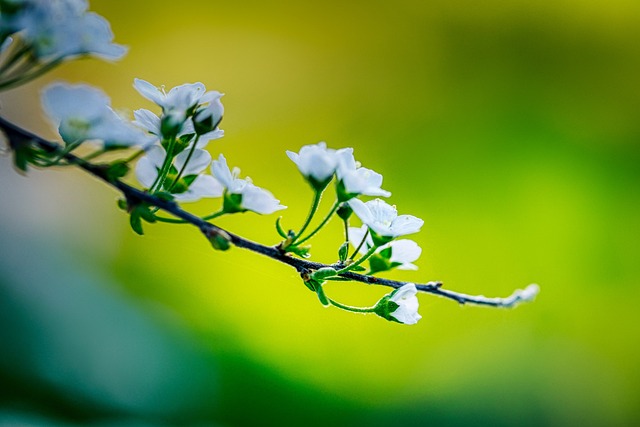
x,y
511,128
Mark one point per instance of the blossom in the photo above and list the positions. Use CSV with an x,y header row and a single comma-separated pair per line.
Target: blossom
x,y
398,254
207,118
354,180
81,112
62,29
192,185
317,163
241,194
179,98
383,220
400,306
150,122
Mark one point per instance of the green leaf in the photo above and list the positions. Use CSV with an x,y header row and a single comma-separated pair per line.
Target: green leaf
x,y
117,170
302,251
136,222
323,273
322,296
343,252
358,268
279,228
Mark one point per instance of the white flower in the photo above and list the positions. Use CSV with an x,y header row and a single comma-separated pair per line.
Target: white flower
x,y
317,163
398,254
355,180
82,112
150,122
192,186
208,117
383,220
400,306
241,195
58,29
180,98
407,302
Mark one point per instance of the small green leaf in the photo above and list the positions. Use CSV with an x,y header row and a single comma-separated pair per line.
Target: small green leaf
x,y
322,296
323,273
358,268
343,252
279,228
117,170
136,222
302,251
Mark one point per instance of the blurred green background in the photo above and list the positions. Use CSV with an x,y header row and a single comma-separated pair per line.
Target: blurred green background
x,y
511,128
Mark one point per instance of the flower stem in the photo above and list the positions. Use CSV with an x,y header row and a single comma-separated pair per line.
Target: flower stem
x,y
214,215
360,260
314,208
326,219
186,162
351,308
164,170
364,239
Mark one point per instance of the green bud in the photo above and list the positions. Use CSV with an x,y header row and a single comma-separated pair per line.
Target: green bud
x,y
343,252
323,273
117,170
321,295
344,211
135,220
219,239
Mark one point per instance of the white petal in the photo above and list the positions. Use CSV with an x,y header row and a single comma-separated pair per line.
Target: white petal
x,y
149,91
147,120
407,311
208,137
361,210
406,224
62,101
148,166
200,159
405,251
221,172
357,234
259,200
381,211
202,186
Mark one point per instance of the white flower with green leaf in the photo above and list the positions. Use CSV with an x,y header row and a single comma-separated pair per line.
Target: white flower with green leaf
x,y
400,305
400,254
185,180
354,180
242,195
82,112
383,220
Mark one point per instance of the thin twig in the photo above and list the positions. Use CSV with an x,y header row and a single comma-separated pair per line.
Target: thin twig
x,y
17,136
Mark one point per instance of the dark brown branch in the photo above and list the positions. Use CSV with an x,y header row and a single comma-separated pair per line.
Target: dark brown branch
x,y
19,137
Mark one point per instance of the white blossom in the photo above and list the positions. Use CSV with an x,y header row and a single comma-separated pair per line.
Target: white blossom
x,y
63,29
317,163
242,194
209,116
407,301
383,220
355,180
193,185
81,113
151,123
403,252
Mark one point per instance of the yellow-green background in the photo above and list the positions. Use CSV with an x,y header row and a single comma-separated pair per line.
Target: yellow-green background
x,y
511,127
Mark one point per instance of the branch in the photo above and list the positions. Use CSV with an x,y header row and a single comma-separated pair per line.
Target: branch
x,y
19,137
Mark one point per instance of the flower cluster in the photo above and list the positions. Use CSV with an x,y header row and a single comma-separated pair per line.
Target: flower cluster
x,y
174,164
375,240
177,162
36,35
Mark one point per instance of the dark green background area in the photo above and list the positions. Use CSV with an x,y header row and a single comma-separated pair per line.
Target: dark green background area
x,y
511,128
